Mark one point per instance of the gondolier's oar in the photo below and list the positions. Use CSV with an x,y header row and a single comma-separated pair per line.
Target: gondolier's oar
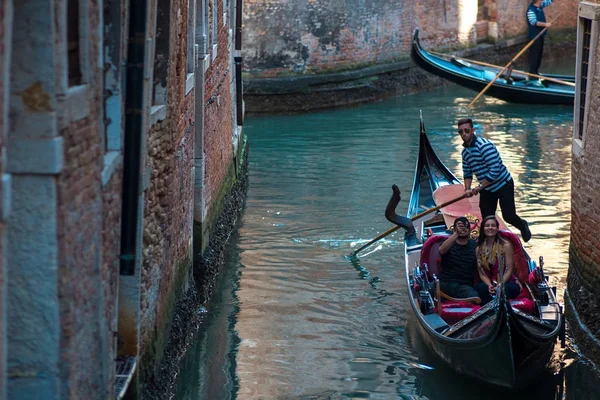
x,y
510,63
402,222
518,71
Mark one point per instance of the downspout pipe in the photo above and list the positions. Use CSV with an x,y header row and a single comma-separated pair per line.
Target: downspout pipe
x,y
134,112
237,57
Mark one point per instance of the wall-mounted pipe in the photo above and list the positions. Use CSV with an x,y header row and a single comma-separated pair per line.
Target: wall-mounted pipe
x,y
134,131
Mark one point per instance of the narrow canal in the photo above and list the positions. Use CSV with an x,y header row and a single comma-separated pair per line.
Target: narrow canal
x,y
294,317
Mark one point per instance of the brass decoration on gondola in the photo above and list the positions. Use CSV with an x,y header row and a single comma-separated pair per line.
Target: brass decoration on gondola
x,y
474,221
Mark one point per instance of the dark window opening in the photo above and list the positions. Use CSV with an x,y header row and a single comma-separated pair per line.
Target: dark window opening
x,y
73,45
161,53
583,79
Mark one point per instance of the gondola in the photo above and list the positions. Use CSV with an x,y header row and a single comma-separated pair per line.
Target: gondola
x,y
514,88
507,343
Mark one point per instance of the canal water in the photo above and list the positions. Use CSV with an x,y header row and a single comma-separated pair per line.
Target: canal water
x,y
294,317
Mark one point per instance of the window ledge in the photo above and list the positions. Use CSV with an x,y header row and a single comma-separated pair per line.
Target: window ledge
x,y
112,160
189,83
157,114
215,48
5,197
578,148
78,103
124,370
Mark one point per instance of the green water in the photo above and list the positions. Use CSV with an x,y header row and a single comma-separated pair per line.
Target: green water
x,y
294,317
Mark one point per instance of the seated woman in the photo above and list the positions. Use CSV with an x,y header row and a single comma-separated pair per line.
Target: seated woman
x,y
491,250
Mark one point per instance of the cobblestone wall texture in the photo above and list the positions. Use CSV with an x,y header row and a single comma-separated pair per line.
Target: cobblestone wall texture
x,y
284,38
168,208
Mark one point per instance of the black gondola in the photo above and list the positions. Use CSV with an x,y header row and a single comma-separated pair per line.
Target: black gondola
x,y
506,342
514,89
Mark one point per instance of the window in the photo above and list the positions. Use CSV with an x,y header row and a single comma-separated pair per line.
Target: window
x,y
586,26
113,75
213,24
161,53
587,40
190,37
73,43
225,12
202,26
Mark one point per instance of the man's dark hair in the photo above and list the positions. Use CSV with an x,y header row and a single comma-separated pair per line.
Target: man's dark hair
x,y
463,121
464,221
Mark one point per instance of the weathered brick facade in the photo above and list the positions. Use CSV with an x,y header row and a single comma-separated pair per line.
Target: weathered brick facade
x,y
70,120
583,280
288,37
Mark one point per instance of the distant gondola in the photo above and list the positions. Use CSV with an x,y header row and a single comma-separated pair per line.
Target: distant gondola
x,y
513,89
505,342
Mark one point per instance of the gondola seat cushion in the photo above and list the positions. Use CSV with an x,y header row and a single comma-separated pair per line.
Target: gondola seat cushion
x,y
523,301
430,255
455,311
452,311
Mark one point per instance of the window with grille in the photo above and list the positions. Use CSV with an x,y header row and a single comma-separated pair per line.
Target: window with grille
x,y
586,26
587,42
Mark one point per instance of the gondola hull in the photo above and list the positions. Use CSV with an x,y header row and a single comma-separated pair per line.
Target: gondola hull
x,y
477,78
498,344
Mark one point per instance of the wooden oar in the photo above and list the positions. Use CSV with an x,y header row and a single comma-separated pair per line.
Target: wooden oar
x,y
514,70
510,63
414,218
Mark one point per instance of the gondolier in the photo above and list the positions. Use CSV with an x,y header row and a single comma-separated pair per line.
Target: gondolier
x,y
536,22
507,342
480,157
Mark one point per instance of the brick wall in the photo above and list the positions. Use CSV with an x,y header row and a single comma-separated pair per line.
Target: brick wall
x,y
583,281
218,151
168,208
287,37
88,233
111,246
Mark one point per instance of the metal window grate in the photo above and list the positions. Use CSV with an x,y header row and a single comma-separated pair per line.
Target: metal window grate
x,y
124,370
585,61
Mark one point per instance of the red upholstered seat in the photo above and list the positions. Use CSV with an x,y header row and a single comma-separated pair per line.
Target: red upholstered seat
x,y
452,311
523,301
430,254
521,265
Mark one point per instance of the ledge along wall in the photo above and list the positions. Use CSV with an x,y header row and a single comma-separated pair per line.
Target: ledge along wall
x,y
300,55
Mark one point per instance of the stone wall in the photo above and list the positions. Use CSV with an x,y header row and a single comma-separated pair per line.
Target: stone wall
x,y
169,199
301,55
296,37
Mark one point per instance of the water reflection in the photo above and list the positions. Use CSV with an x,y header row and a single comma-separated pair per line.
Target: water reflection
x,y
299,320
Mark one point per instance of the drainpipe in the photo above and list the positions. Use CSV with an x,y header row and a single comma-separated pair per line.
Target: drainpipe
x,y
134,112
237,56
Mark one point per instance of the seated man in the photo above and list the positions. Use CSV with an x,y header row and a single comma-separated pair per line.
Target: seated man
x,y
458,261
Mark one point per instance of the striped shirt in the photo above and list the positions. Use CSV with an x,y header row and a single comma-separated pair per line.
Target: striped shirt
x,y
531,17
459,263
482,159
